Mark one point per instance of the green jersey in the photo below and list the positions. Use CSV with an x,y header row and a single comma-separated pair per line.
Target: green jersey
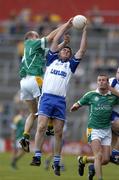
x,y
18,125
33,61
100,108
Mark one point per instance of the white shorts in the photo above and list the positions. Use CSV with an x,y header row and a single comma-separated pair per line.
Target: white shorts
x,y
29,88
16,145
103,135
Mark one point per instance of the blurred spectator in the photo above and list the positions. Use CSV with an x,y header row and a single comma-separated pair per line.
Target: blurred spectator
x,y
112,65
55,18
25,15
12,22
98,64
17,131
19,23
47,23
96,19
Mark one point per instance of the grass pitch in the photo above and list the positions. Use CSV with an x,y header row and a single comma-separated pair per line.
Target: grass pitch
x,y
27,172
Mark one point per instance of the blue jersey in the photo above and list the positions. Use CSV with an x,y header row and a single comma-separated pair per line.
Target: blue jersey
x,y
115,84
58,74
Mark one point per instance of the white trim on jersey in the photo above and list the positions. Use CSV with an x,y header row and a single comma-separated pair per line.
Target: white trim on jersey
x,y
42,43
116,107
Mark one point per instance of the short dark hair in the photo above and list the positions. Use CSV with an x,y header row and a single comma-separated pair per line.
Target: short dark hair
x,y
105,75
69,49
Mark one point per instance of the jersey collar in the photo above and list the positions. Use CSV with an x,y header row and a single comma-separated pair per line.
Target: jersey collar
x,y
108,93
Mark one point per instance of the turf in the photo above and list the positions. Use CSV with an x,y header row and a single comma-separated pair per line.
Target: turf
x,y
26,172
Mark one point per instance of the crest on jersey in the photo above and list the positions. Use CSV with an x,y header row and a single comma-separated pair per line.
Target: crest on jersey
x,y
65,65
96,98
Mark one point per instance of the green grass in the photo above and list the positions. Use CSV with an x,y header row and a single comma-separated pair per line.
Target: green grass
x,y
26,172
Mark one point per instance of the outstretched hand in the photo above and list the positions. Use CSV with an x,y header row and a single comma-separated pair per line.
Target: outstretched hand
x,y
67,38
74,107
86,25
69,22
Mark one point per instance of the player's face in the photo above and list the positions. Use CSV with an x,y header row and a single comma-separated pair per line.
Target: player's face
x,y
117,74
102,82
65,54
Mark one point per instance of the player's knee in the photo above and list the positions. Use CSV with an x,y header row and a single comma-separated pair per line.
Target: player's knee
x,y
58,133
41,128
105,160
98,156
33,115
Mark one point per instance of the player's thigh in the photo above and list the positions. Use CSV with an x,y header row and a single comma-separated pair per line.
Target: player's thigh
x,y
42,122
58,125
96,146
32,105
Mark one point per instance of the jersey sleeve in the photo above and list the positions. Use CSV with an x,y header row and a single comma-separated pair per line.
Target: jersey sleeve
x,y
74,63
85,100
40,43
51,56
112,82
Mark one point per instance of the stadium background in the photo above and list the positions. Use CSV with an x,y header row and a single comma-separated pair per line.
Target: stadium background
x,y
17,17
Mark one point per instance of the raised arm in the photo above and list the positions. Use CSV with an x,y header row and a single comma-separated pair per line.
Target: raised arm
x,y
51,36
65,42
75,107
83,44
62,30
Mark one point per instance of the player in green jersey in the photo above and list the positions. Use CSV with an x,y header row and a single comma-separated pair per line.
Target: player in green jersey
x,y
100,103
31,73
114,157
17,131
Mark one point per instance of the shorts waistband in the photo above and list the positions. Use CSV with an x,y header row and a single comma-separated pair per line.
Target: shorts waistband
x,y
53,95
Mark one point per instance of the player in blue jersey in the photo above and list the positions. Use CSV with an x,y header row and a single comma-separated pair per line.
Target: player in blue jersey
x,y
60,66
31,72
114,82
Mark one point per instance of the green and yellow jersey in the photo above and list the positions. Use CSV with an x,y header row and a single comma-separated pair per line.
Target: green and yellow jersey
x,y
33,61
100,108
18,126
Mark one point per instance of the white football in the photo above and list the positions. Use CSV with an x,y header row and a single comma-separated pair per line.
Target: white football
x,y
79,21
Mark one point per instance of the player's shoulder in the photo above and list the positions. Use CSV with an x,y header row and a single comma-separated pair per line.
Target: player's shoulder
x,y
89,93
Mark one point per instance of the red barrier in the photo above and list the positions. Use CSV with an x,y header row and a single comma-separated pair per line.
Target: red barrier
x,y
64,8
74,148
